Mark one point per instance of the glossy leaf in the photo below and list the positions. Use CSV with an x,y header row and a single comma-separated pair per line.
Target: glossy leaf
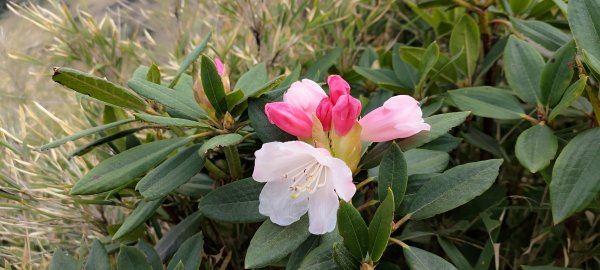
x,y
142,212
418,259
542,33
557,74
353,229
98,257
151,255
83,133
298,255
422,161
320,258
343,258
454,188
465,40
132,258
171,174
190,253
272,242
393,174
523,65
236,202
536,147
178,234
213,86
220,141
381,227
487,101
97,88
173,100
576,175
585,25
571,94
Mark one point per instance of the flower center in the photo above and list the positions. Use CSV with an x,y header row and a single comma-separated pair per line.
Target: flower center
x,y
307,177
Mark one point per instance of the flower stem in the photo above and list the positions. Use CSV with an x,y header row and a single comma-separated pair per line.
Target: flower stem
x,y
233,161
398,242
216,171
400,222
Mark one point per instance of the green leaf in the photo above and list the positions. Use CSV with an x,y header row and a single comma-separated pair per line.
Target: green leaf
x,y
487,101
418,259
319,68
440,125
343,258
178,234
190,58
454,254
547,267
169,121
492,56
98,258
266,131
385,78
98,88
465,38
576,175
422,161
272,242
84,149
571,94
541,33
62,261
184,92
213,86
251,81
83,133
523,65
171,174
585,25
536,147
153,74
414,55
151,255
381,227
142,212
220,141
405,73
190,253
125,167
173,100
428,61
353,229
131,258
236,202
393,174
592,62
445,143
454,188
557,74
298,255
320,258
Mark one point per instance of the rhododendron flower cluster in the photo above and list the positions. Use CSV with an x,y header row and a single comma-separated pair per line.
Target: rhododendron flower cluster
x,y
309,175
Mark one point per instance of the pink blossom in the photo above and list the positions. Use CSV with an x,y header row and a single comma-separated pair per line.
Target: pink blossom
x,y
301,178
305,95
289,118
219,65
345,113
324,113
399,117
337,87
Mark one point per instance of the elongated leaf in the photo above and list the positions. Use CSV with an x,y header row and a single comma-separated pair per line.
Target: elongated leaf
x,y
83,133
385,78
440,125
405,73
592,62
189,59
98,258
542,33
353,229
465,38
132,258
251,81
272,242
576,175
454,188
62,261
169,121
418,259
381,227
323,63
171,174
414,55
393,174
547,267
123,168
220,141
343,258
151,256
487,101
142,212
585,25
235,202
429,59
523,65
492,56
171,241
422,161
536,147
454,254
301,252
557,74
320,258
571,94
153,74
86,148
97,88
190,253
173,100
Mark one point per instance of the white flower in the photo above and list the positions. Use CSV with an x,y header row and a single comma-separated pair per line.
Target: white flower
x,y
301,178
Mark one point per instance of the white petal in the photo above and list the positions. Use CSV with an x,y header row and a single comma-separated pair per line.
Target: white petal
x,y
322,208
340,176
275,159
277,203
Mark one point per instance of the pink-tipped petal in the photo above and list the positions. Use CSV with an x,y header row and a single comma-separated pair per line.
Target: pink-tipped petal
x,y
337,87
399,117
289,118
345,113
219,65
324,113
305,95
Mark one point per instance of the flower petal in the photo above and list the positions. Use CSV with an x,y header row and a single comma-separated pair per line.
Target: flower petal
x,y
305,95
277,203
322,208
275,159
340,176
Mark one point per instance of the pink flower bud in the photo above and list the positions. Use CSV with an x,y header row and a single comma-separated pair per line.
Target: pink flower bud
x,y
220,67
289,118
324,113
305,95
345,112
337,87
399,117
